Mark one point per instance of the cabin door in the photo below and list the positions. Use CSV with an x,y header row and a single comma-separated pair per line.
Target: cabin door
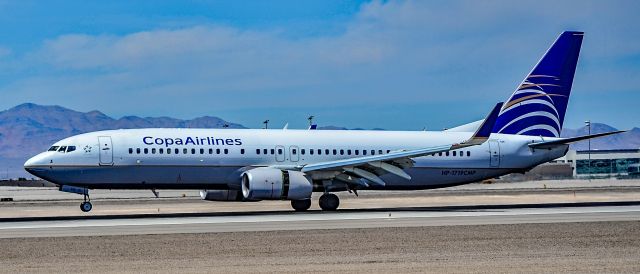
x,y
106,150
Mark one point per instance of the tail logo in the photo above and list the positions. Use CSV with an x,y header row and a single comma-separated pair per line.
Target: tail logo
x,y
531,101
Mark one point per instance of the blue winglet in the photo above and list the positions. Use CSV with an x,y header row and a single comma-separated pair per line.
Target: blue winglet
x,y
483,132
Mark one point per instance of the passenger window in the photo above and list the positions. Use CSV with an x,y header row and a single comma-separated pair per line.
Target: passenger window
x,y
53,148
211,151
242,151
279,151
311,152
202,151
373,152
137,150
185,151
168,151
273,151
320,152
302,151
364,152
130,150
177,151
258,151
348,152
380,151
161,150
264,151
326,152
357,152
335,152
226,151
153,150
146,151
294,151
71,148
454,153
62,149
447,153
388,151
468,153
193,151
217,151
342,152
439,153
461,153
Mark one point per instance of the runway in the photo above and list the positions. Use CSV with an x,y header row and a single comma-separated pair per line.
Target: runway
x,y
277,221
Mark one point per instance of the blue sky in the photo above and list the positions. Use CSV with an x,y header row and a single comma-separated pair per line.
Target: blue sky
x,y
392,64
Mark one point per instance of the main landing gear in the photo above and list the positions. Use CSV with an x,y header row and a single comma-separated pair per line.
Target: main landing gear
x,y
86,205
328,202
301,205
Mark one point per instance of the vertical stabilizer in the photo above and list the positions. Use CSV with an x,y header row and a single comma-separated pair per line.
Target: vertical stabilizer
x,y
538,105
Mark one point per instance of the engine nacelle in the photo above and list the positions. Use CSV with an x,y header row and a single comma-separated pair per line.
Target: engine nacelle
x,y
266,183
221,195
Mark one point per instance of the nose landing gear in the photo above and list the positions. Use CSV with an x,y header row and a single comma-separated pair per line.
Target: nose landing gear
x,y
86,205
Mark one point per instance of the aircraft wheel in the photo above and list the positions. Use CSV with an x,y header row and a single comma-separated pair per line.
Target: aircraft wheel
x,y
329,202
86,206
301,205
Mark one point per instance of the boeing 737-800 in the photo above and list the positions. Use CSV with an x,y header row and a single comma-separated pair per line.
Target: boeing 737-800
x,y
259,164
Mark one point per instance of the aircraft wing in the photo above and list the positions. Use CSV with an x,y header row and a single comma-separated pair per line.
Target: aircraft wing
x,y
369,167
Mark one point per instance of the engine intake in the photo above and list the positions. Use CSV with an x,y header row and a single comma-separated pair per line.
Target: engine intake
x,y
266,183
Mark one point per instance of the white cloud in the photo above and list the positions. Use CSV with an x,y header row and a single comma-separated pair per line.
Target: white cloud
x,y
396,52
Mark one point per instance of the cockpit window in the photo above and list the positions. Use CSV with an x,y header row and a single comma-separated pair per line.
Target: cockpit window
x,y
53,148
71,148
62,149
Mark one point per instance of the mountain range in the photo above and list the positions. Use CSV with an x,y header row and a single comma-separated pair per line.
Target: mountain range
x,y
28,129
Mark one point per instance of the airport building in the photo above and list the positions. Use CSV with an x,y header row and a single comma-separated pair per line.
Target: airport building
x,y
602,163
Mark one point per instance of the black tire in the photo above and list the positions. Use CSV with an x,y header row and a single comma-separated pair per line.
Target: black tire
x,y
329,202
301,205
86,206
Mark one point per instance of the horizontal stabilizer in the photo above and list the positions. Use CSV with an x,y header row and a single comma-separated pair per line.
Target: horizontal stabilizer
x,y
565,141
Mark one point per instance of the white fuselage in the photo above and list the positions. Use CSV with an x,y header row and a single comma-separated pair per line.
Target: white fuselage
x,y
215,158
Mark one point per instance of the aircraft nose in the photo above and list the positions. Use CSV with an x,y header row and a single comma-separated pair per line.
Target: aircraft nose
x,y
34,162
35,165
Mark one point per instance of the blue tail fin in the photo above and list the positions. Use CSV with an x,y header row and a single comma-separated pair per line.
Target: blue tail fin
x,y
538,105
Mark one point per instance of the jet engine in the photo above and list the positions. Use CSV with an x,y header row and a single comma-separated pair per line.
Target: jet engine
x,y
266,183
221,195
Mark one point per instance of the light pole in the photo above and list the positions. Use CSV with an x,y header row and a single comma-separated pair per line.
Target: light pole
x,y
266,124
588,124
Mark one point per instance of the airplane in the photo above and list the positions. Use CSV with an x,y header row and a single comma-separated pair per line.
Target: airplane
x,y
288,164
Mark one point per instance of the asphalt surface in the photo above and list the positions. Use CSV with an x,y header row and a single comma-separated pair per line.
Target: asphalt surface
x,y
592,247
274,221
533,227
